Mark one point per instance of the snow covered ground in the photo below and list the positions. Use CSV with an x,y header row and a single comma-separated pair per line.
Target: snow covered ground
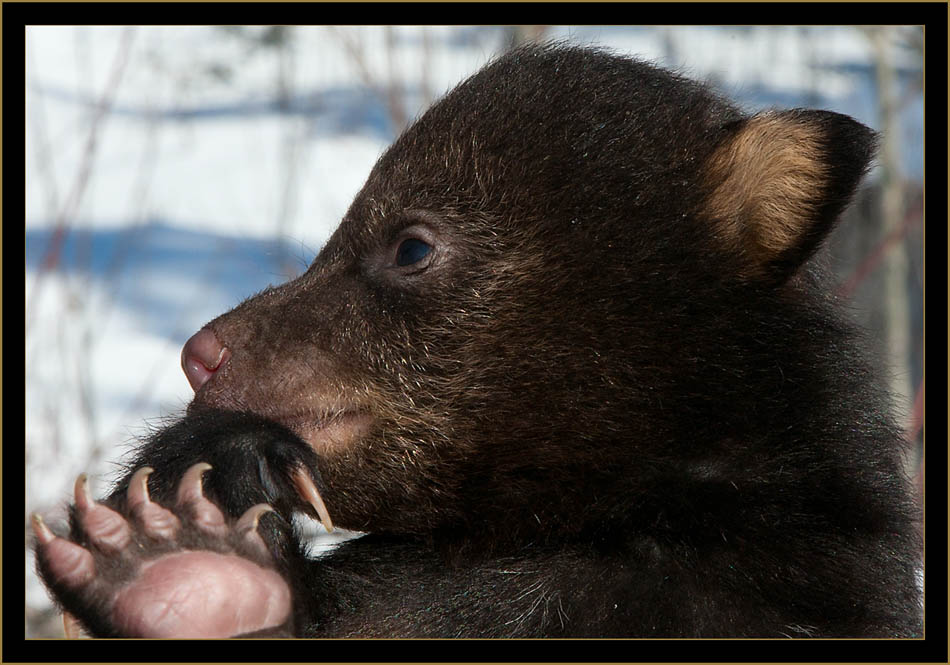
x,y
174,171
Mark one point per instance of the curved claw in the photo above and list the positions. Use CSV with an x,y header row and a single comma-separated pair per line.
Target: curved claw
x,y
248,521
247,525
43,535
189,489
190,495
81,494
308,492
68,562
106,529
71,627
138,486
157,522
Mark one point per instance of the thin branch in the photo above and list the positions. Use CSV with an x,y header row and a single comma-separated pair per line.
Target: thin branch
x,y
876,256
70,208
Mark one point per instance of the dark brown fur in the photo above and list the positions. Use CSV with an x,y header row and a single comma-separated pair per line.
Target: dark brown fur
x,y
612,404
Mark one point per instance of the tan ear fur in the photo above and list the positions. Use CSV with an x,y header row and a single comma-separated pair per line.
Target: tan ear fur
x,y
767,184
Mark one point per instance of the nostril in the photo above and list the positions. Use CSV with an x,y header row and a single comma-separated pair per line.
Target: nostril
x,y
202,356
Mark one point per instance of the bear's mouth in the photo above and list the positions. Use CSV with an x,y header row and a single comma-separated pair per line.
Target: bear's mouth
x,y
327,434
330,433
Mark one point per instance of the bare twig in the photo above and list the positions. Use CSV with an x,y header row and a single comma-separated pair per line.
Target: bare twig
x,y
389,93
39,130
894,266
74,199
425,74
874,258
394,96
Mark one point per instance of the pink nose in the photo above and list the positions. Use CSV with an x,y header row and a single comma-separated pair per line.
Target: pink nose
x,y
202,356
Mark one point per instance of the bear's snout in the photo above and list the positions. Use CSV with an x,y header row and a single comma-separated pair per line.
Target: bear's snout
x,y
202,356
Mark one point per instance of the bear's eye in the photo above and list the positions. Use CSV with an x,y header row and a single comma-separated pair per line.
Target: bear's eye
x,y
412,251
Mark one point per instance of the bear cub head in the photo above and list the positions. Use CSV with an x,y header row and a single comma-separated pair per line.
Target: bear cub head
x,y
570,301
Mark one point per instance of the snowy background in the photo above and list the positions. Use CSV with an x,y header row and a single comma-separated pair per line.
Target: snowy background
x,y
174,171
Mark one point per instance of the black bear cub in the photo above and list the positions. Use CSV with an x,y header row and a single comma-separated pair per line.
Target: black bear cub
x,y
565,363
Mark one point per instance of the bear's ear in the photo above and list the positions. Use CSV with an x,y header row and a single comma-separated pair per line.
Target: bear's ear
x,y
779,182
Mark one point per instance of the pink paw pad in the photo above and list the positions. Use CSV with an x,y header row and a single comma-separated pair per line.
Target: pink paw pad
x,y
160,572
